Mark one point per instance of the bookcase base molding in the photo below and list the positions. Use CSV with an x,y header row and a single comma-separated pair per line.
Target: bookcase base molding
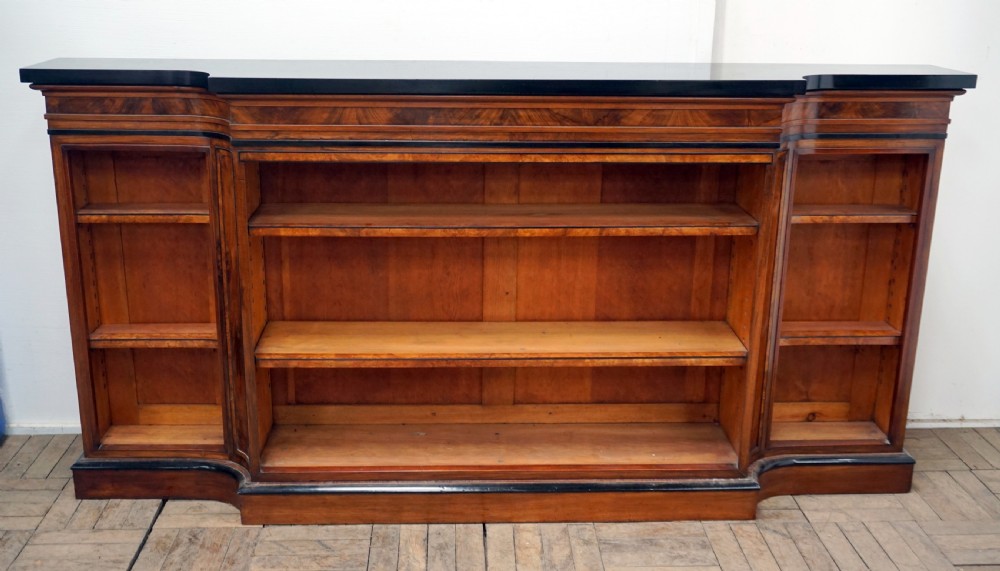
x,y
471,502
491,296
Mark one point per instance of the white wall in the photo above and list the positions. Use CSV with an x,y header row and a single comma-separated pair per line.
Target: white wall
x,y
36,372
958,357
956,374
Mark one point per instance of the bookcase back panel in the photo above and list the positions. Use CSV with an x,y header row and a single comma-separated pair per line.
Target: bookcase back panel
x,y
527,183
465,386
377,386
553,279
131,264
848,272
883,179
140,177
374,279
139,378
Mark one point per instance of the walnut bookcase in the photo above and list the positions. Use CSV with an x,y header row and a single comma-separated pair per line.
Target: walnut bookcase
x,y
366,291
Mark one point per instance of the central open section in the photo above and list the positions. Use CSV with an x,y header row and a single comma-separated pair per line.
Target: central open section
x,y
455,318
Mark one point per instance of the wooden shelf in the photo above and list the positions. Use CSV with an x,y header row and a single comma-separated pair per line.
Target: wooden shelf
x,y
134,213
497,344
826,433
398,451
851,214
155,336
501,220
162,437
838,333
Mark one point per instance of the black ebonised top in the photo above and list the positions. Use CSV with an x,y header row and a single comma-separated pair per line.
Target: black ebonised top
x,y
491,78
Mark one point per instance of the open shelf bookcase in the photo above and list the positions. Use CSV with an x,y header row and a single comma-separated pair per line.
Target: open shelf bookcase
x,y
326,300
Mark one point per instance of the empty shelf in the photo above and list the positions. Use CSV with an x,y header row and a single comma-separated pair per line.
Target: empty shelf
x,y
131,213
155,336
497,344
398,451
162,436
851,214
501,220
838,333
826,433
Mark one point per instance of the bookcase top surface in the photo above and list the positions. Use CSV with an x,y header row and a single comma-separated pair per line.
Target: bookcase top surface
x,y
492,78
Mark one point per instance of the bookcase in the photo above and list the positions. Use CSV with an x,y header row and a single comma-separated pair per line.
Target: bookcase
x,y
349,298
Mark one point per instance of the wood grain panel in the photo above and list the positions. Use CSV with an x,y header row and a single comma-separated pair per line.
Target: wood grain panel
x,y
384,344
498,414
137,177
177,376
397,449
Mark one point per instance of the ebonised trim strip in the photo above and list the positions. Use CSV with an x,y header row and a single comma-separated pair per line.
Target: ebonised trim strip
x,y
508,87
500,144
896,136
118,132
743,484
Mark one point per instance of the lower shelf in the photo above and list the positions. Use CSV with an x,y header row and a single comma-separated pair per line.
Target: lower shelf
x,y
483,451
829,433
162,437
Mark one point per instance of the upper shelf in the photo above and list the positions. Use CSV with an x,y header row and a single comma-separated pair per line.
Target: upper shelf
x,y
851,214
155,336
498,344
838,333
501,220
493,78
129,213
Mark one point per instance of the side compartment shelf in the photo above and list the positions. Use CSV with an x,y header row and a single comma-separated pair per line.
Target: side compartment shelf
x,y
148,257
851,245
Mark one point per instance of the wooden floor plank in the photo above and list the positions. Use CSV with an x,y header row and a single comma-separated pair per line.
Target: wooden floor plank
x,y
470,547
837,544
585,548
557,550
441,547
500,547
11,544
62,509
528,547
922,546
866,546
239,552
383,552
811,547
990,478
10,447
47,459
72,454
412,548
154,552
893,544
953,437
782,546
754,547
25,456
727,550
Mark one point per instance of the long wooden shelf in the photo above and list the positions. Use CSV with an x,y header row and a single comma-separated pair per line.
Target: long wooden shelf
x,y
155,336
134,213
843,433
497,344
406,451
838,333
162,437
501,220
851,214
